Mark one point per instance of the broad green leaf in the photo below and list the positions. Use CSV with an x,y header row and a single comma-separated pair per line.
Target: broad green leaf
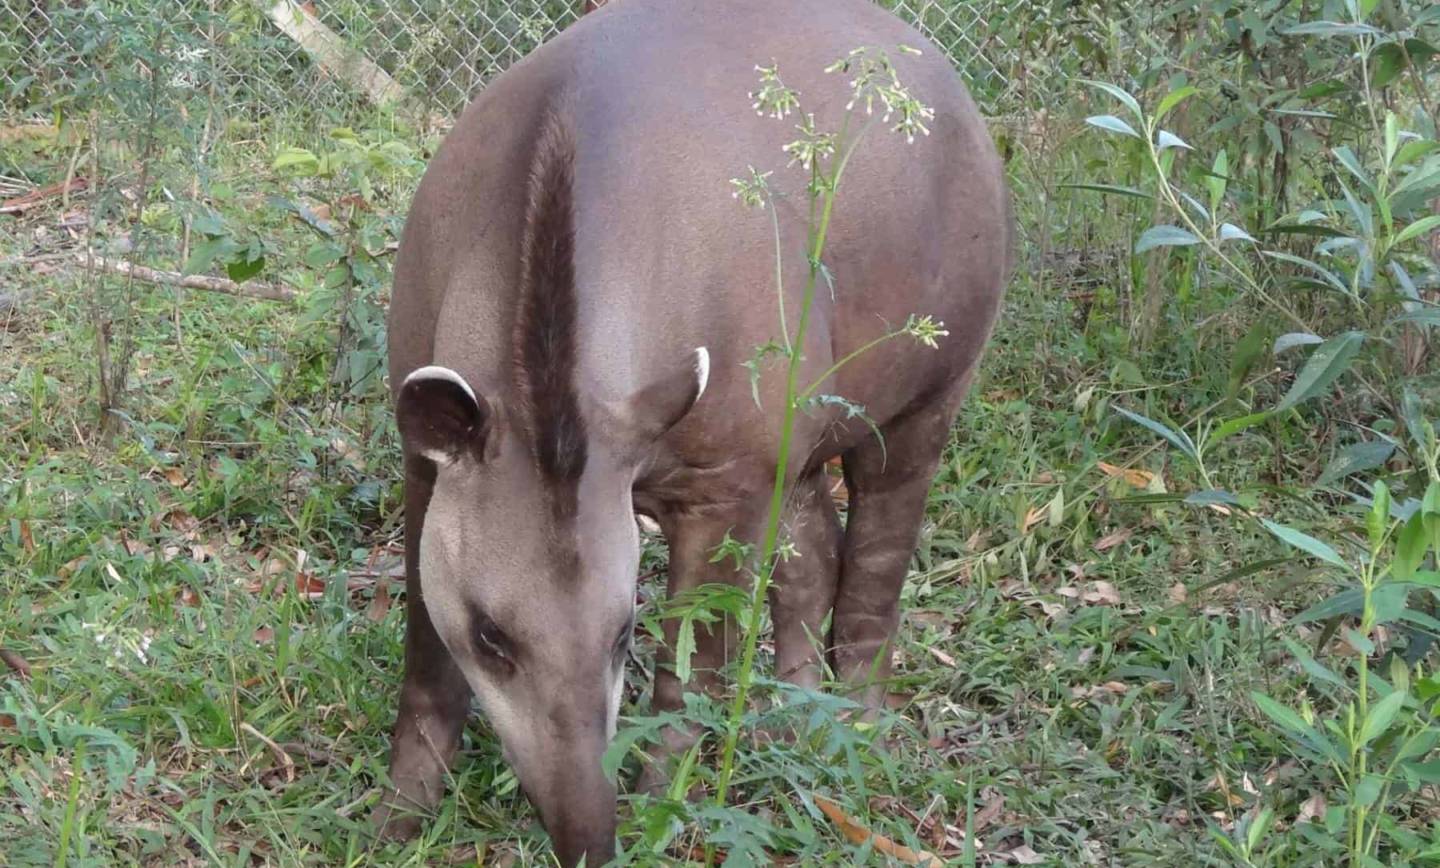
x,y
1367,791
1355,458
1217,179
297,158
1331,28
241,270
1248,351
1112,124
1346,602
1313,667
1329,277
1281,714
1351,162
1173,99
1214,495
1416,422
1114,189
1261,824
1165,236
1325,365
1358,642
1418,228
1378,518
1179,439
1429,773
1382,714
1428,316
1231,232
1235,426
1166,139
1414,150
1304,542
1410,546
1295,339
1119,93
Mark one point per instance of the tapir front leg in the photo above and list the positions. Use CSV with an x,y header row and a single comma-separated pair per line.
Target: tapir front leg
x,y
693,536
888,489
804,586
434,697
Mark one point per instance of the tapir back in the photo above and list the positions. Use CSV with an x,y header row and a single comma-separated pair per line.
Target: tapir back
x,y
655,94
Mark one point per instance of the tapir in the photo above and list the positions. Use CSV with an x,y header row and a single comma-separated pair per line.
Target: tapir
x,y
576,297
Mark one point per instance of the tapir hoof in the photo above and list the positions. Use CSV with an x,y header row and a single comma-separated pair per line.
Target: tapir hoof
x,y
396,818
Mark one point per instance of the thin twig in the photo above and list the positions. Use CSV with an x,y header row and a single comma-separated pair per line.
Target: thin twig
x,y
267,291
276,749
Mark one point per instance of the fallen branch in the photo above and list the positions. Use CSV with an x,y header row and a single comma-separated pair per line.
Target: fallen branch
x,y
250,289
858,834
21,204
332,54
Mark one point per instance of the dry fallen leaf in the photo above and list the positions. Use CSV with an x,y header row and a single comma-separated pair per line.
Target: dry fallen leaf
x,y
1103,592
188,597
380,603
942,656
1023,855
1311,809
1036,515
26,540
264,635
858,834
175,477
1111,540
17,664
1132,476
1179,593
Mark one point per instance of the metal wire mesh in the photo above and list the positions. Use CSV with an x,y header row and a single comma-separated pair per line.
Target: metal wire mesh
x,y
438,52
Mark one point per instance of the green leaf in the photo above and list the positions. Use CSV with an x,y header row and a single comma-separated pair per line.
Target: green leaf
x,y
1231,232
1331,28
1247,352
1235,426
1424,316
1382,714
1166,139
1295,339
297,158
1165,236
241,270
1173,99
1355,458
1418,228
1351,162
1282,715
1179,439
1111,124
1410,547
1120,94
1328,276
1324,366
1358,642
1379,517
1426,772
1219,174
1312,667
1304,542
1367,791
1113,189
1421,433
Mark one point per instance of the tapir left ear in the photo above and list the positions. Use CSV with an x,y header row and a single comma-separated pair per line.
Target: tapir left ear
x,y
655,409
441,417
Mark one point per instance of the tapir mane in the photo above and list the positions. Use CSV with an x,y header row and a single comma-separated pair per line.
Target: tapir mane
x,y
545,322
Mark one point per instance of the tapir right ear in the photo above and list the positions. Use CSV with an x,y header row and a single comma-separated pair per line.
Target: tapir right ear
x,y
441,417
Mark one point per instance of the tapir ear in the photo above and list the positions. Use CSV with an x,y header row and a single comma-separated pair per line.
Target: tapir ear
x,y
655,409
441,417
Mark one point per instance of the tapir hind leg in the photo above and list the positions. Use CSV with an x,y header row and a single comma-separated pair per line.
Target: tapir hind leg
x,y
888,488
434,698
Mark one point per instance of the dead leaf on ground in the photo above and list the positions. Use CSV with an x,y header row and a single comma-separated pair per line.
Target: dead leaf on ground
x,y
1103,593
855,833
175,477
1179,593
1111,540
379,604
1024,855
1036,515
7,722
1131,475
1312,809
264,635
942,656
26,540
990,812
189,597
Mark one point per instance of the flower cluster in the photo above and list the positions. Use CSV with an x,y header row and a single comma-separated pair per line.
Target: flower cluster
x,y
754,191
875,78
925,329
773,97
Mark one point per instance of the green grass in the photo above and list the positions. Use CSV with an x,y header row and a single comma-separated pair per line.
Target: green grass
x,y
213,679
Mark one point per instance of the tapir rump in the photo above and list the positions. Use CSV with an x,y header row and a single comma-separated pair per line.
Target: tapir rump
x,y
576,296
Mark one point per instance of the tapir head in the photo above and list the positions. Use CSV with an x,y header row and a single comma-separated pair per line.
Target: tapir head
x,y
528,558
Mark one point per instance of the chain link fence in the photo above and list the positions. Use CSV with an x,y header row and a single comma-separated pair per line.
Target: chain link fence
x,y
262,57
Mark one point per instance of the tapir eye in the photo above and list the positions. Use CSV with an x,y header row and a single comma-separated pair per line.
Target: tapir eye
x,y
489,639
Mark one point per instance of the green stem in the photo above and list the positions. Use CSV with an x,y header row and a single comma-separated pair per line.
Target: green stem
x,y
819,381
745,676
